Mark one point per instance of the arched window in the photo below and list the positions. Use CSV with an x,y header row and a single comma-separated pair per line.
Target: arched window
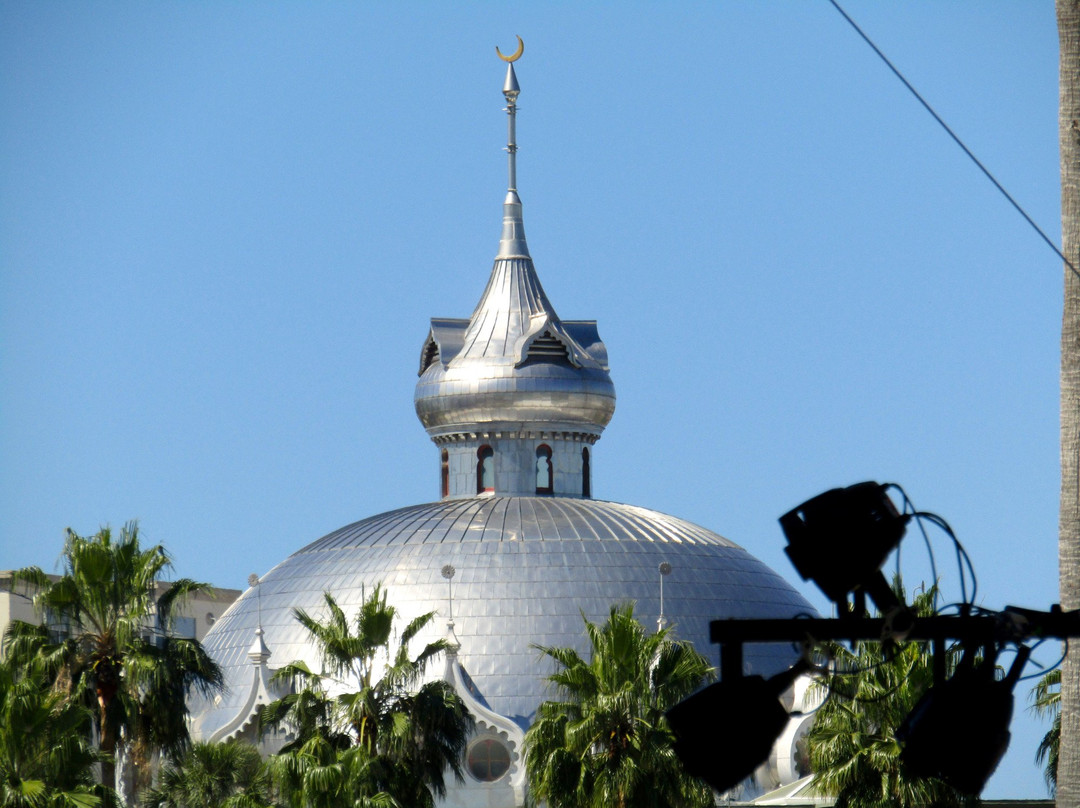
x,y
444,472
485,469
543,469
586,474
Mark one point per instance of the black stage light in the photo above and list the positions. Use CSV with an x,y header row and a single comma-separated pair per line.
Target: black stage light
x,y
840,539
724,732
959,730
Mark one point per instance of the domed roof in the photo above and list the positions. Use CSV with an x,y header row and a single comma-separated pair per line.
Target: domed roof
x,y
514,364
527,569
515,399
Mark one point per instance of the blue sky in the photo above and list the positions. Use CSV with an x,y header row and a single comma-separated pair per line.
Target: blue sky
x,y
225,226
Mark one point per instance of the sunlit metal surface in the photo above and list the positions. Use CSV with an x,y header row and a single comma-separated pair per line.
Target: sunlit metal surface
x,y
500,386
526,568
480,373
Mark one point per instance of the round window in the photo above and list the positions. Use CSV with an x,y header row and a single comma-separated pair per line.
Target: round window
x,y
489,760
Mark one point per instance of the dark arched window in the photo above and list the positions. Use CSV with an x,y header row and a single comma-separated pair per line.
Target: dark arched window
x,y
444,472
485,469
586,473
543,469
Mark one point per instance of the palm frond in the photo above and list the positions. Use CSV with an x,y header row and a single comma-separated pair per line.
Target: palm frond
x,y
605,741
382,742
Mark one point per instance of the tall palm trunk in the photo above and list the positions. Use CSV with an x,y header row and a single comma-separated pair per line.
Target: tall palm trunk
x,y
1068,19
108,738
106,683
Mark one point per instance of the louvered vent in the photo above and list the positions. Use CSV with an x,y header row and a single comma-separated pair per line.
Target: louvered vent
x,y
430,356
546,348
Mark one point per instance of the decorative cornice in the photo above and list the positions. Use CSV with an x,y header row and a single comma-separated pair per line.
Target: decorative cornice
x,y
468,437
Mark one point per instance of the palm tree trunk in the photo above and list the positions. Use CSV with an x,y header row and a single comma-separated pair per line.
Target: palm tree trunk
x,y
1068,19
107,742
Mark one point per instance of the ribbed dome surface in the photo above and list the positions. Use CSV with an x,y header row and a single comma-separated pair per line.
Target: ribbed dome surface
x,y
526,570
484,395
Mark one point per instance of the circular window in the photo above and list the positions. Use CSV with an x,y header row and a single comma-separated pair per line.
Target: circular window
x,y
489,760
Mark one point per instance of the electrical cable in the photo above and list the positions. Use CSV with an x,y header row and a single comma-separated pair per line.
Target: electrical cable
x,y
962,558
933,563
804,713
953,135
968,608
821,682
855,698
962,608
909,509
891,651
1043,671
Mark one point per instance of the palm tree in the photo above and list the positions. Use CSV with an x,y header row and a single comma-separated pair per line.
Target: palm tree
x,y
224,775
605,742
99,641
383,733
1068,23
312,770
46,759
854,752
1046,703
316,773
308,710
172,668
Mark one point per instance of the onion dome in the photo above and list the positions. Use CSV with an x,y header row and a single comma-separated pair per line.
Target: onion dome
x,y
514,370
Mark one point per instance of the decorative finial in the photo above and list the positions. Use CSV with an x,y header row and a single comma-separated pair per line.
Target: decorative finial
x,y
253,582
448,573
513,57
512,244
665,570
259,653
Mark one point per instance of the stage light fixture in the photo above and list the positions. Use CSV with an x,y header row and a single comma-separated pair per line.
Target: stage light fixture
x,y
959,730
724,732
840,539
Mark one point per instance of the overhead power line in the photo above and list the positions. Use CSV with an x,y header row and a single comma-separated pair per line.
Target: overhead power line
x,y
953,135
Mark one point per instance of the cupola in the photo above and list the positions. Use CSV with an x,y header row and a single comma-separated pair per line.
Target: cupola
x,y
514,397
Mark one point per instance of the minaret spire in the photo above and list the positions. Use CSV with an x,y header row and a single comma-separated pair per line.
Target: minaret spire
x,y
514,389
511,91
512,244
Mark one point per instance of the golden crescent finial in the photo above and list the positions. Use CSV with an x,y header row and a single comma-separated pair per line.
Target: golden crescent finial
x,y
513,57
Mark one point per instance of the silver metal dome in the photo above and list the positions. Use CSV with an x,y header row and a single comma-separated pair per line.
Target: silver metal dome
x,y
526,569
514,365
515,399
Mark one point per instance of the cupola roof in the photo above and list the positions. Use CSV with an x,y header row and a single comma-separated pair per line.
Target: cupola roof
x,y
514,364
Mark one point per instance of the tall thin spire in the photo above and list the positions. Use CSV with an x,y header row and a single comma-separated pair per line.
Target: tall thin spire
x,y
512,244
513,378
511,90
